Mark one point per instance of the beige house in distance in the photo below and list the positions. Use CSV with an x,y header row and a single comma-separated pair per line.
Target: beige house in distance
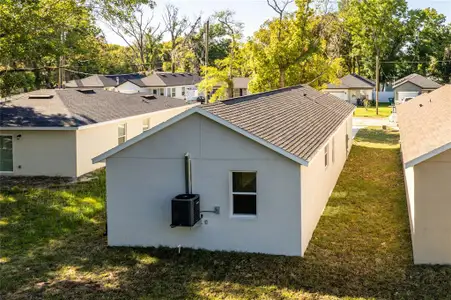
x,y
351,88
425,127
58,132
174,85
262,166
412,86
240,86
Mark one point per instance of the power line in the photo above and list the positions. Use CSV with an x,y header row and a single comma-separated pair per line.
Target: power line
x,y
413,62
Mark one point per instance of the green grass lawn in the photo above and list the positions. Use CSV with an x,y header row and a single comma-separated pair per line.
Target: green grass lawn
x,y
52,246
370,112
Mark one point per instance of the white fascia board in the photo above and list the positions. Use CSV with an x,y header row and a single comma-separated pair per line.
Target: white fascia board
x,y
428,155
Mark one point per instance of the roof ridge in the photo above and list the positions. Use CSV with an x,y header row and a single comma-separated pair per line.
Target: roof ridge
x,y
271,92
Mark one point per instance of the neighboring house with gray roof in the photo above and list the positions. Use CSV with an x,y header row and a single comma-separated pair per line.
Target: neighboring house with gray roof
x,y
175,85
58,132
102,81
425,129
352,87
412,86
265,163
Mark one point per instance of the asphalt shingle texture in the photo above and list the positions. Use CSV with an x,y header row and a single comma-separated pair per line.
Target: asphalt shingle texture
x,y
298,119
425,123
167,79
353,81
421,81
71,108
101,81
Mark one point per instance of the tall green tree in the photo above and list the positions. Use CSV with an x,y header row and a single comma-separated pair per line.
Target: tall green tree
x,y
36,35
129,20
376,28
428,44
292,49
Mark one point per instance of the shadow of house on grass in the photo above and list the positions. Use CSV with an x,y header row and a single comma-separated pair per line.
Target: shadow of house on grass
x,y
18,116
361,248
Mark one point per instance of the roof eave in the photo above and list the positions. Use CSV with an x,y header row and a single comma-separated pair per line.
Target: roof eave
x,y
208,115
41,128
427,156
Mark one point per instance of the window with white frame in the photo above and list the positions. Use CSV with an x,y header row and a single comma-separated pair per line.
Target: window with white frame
x,y
183,91
244,193
6,153
154,91
121,133
333,150
146,124
161,92
173,92
326,155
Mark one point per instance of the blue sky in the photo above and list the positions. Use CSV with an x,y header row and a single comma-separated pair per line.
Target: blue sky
x,y
251,12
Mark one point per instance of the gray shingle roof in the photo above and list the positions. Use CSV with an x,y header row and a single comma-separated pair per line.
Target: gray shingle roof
x,y
425,123
94,81
167,79
71,108
421,81
297,119
353,81
100,81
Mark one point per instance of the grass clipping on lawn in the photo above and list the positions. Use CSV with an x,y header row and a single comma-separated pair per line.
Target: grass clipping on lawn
x,y
52,246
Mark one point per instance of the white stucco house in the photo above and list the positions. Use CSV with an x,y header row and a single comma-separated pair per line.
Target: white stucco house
x,y
175,85
425,128
263,166
412,86
58,132
351,88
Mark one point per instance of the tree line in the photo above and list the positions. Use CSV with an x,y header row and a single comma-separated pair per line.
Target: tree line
x,y
316,43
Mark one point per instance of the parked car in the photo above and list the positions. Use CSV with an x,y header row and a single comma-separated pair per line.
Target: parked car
x,y
195,99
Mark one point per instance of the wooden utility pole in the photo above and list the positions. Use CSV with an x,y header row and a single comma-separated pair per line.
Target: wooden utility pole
x,y
207,33
377,82
59,72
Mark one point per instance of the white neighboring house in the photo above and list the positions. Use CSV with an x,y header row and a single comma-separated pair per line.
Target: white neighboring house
x,y
425,128
351,88
58,132
175,85
412,86
263,165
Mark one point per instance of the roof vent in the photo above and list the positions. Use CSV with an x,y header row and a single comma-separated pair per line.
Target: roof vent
x,y
40,96
149,97
174,75
88,91
162,75
183,75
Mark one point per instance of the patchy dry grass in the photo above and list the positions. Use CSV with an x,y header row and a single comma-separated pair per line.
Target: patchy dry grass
x,y
370,112
52,246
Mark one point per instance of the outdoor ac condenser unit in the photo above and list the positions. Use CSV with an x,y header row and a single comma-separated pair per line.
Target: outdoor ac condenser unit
x,y
185,210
